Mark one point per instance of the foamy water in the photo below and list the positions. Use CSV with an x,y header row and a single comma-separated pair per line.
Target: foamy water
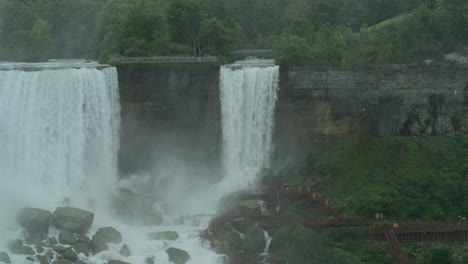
x,y
59,133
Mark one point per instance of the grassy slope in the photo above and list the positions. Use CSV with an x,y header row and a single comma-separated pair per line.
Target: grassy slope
x,y
402,177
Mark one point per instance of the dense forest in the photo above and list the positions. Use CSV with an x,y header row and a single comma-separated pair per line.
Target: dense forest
x,y
338,33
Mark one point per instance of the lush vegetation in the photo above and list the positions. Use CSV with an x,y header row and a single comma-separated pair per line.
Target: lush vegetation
x,y
402,177
337,33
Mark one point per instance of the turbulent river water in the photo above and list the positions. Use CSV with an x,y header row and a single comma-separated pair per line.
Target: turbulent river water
x,y
59,134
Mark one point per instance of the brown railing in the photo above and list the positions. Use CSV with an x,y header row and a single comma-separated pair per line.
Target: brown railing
x,y
395,247
392,231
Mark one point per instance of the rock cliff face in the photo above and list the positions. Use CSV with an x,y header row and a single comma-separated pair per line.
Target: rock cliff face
x,y
170,109
385,100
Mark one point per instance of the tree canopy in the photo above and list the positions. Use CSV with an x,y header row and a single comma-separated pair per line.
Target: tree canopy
x,y
339,33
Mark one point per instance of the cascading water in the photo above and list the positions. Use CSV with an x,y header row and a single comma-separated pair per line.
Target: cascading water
x,y
59,135
58,132
248,98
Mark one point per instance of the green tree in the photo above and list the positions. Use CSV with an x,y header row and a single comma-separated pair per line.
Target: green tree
x,y
291,50
32,45
184,18
215,38
130,28
330,45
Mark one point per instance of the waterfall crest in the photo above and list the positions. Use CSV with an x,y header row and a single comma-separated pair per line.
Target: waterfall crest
x,y
59,132
248,99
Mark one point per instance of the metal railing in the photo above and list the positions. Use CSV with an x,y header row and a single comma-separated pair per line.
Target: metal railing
x,y
166,60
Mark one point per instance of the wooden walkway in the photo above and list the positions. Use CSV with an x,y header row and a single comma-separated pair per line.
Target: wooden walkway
x,y
378,229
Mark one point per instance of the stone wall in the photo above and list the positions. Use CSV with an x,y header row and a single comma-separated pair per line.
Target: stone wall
x,y
182,103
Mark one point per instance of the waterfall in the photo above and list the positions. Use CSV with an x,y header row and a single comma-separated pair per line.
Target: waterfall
x,y
59,133
248,98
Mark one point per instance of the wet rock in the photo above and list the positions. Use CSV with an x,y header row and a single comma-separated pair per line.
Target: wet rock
x,y
80,262
52,240
165,235
30,259
104,236
177,256
81,248
35,238
85,240
117,262
50,254
17,247
67,238
39,249
109,234
241,224
4,258
125,251
42,259
149,260
99,244
231,238
34,220
70,255
73,219
254,239
62,261
59,249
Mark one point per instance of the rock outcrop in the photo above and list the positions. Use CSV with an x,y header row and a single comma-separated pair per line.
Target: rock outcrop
x,y
177,255
34,220
104,236
73,219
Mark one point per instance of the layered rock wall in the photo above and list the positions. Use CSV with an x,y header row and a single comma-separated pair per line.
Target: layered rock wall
x,y
183,102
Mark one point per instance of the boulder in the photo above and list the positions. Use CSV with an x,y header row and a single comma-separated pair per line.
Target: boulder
x,y
104,236
59,249
117,262
81,248
165,235
70,255
241,224
149,260
39,249
17,247
34,220
99,244
35,238
4,258
73,219
125,251
231,238
52,240
109,234
177,256
42,259
67,238
85,239
50,254
254,239
62,261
